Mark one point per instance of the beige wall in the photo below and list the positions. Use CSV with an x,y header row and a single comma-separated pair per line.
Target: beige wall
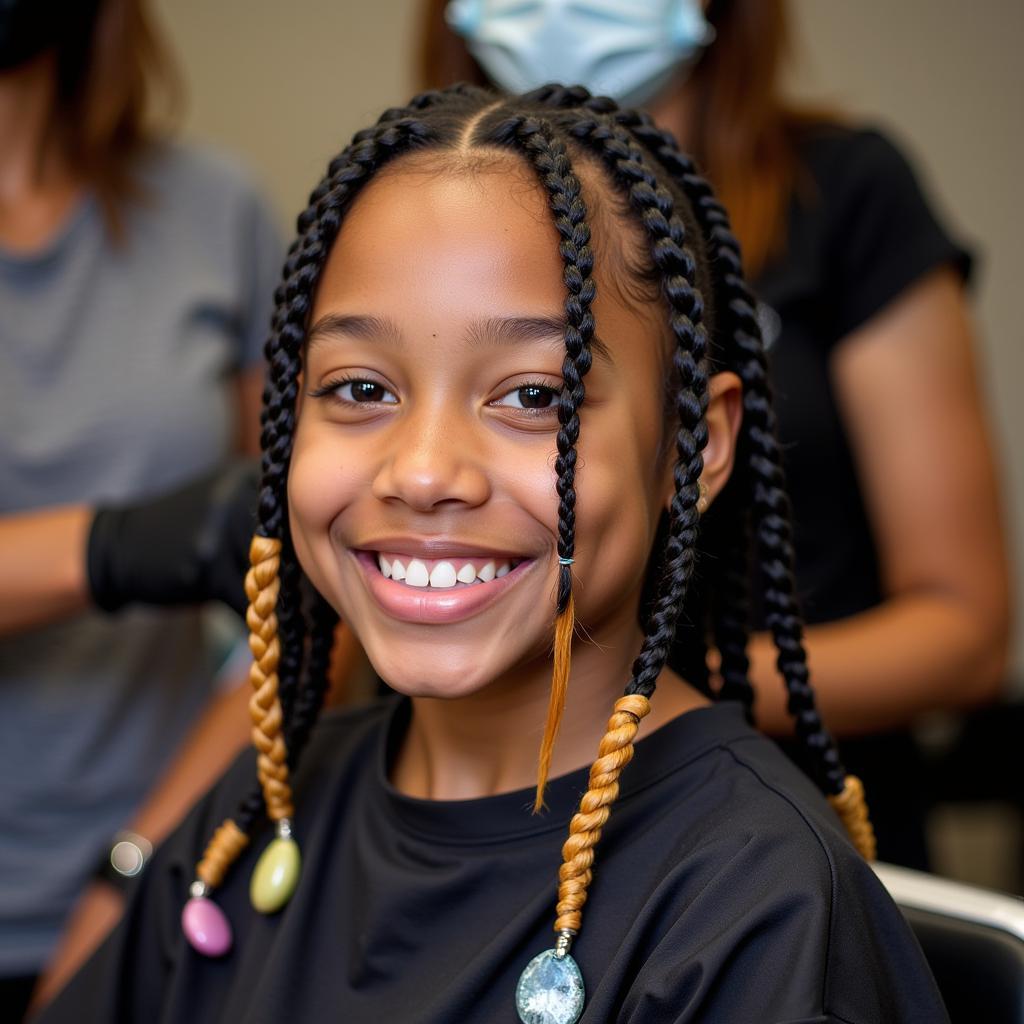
x,y
285,85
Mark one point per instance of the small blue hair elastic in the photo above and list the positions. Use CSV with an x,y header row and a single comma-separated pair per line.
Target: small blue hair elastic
x,y
565,561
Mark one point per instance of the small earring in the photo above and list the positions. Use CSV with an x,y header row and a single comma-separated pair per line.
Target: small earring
x,y
702,501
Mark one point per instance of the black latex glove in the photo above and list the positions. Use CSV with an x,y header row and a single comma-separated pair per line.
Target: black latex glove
x,y
185,547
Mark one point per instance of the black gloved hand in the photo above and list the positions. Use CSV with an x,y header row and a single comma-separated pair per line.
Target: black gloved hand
x,y
185,547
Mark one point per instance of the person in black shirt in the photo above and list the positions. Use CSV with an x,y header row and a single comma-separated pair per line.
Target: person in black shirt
x,y
467,435
901,564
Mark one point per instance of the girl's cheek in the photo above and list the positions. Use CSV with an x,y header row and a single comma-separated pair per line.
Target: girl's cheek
x,y
323,480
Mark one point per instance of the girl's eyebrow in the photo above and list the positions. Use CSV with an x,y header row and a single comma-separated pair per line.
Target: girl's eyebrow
x,y
366,328
500,330
512,329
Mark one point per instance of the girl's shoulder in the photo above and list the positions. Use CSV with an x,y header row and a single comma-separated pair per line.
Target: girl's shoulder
x,y
735,865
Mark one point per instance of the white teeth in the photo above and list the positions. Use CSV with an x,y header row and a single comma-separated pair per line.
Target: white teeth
x,y
416,574
443,576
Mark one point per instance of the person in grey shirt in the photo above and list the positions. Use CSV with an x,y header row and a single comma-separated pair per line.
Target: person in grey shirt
x,y
135,284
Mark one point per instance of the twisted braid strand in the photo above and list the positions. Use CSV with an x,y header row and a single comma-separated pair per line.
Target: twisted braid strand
x,y
771,504
261,587
852,809
666,233
549,158
614,753
226,843
317,226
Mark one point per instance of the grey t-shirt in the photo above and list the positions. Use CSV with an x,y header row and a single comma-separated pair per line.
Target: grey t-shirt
x,y
116,367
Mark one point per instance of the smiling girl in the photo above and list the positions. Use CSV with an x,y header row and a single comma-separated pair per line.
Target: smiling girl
x,y
517,435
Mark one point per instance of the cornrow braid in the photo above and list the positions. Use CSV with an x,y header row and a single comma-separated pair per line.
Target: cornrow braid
x,y
547,154
770,500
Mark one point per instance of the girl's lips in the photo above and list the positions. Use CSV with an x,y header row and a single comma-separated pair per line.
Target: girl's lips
x,y
426,606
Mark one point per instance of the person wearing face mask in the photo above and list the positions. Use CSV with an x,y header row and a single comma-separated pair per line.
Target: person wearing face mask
x,y
900,558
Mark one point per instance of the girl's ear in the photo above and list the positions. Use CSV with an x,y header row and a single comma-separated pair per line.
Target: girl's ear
x,y
724,417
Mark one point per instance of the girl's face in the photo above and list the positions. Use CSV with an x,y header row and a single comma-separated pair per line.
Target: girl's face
x,y
422,486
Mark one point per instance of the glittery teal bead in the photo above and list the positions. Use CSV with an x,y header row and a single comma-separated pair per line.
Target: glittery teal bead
x,y
550,990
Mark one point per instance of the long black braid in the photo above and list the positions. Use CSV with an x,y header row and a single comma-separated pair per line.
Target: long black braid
x,y
770,502
669,253
548,155
743,351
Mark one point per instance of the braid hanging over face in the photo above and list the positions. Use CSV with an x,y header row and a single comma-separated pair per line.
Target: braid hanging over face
x,y
695,259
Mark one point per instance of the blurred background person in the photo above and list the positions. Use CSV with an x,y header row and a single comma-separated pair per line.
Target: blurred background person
x,y
901,560
136,279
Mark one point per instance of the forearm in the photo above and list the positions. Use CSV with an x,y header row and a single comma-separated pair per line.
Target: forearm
x,y
44,577
881,668
213,743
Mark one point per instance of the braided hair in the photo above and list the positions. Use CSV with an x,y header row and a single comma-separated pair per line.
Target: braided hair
x,y
690,253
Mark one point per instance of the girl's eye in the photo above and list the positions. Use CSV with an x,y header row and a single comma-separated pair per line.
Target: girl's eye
x,y
357,392
536,397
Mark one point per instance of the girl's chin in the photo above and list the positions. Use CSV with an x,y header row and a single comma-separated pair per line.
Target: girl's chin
x,y
450,688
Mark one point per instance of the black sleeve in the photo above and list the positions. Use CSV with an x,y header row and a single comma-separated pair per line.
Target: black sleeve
x,y
883,234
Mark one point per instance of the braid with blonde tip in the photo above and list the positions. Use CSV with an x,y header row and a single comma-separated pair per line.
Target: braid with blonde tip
x,y
261,587
226,843
613,754
279,639
546,151
852,809
741,339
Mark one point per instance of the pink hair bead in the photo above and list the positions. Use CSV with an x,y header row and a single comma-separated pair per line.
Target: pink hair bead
x,y
206,927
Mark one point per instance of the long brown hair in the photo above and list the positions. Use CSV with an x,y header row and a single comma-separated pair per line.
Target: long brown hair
x,y
742,133
118,91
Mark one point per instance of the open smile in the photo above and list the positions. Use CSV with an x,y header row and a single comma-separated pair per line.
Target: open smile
x,y
438,590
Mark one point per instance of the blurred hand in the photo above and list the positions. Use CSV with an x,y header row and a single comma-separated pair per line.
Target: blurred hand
x,y
185,547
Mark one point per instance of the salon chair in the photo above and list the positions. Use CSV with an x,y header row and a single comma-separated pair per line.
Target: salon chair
x,y
973,939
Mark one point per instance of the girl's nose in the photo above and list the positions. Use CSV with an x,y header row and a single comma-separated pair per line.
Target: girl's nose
x,y
433,460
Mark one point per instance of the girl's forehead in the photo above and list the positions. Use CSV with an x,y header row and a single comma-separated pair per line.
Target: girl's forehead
x,y
447,219
481,199
485,229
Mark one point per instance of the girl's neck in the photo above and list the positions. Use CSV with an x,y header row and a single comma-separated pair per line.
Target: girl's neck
x,y
37,186
487,743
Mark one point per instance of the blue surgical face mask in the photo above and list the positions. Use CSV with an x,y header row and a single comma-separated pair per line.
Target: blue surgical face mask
x,y
627,49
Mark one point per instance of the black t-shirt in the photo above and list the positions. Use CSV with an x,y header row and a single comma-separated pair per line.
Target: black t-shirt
x,y
860,232
724,890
